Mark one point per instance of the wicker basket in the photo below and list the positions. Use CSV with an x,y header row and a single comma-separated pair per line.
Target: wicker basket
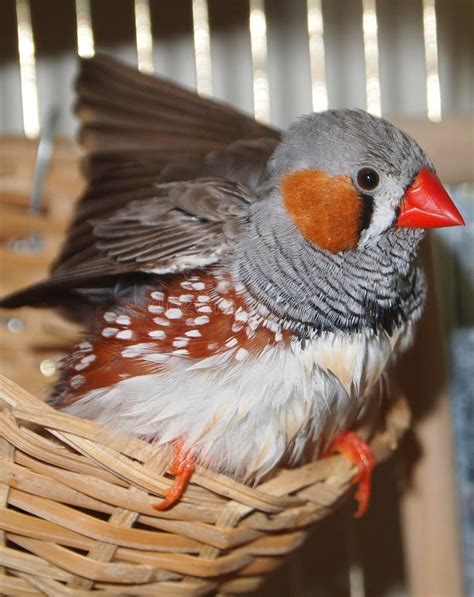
x,y
76,514
76,510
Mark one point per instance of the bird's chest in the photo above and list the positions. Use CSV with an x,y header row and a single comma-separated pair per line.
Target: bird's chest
x,y
243,417
238,387
274,406
319,387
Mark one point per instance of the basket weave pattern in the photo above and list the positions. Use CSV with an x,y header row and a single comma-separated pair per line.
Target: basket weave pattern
x,y
76,512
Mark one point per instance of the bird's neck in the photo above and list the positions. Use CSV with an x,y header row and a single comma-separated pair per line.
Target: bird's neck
x,y
377,287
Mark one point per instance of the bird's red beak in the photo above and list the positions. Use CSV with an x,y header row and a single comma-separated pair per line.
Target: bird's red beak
x,y
427,204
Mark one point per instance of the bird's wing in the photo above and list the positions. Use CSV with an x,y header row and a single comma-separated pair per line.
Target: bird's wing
x,y
183,225
122,109
169,173
135,126
139,131
220,175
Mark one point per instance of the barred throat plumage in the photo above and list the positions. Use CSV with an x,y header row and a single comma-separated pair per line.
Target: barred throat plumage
x,y
378,286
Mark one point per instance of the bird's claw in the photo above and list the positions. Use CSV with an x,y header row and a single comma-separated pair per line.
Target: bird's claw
x,y
182,468
350,445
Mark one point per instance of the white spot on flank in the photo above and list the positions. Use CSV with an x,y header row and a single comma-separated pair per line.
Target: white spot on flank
x,y
180,351
81,366
278,336
193,334
254,322
158,296
77,381
241,354
241,315
85,346
155,308
173,313
136,350
158,334
226,306
231,342
201,320
180,342
204,309
198,286
203,298
174,300
223,286
90,358
186,298
236,327
109,332
161,321
271,325
124,335
123,320
186,285
109,316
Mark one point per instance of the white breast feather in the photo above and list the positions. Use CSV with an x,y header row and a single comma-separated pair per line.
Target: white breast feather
x,y
243,417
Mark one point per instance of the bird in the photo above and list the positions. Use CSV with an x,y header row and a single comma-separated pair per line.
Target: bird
x,y
243,290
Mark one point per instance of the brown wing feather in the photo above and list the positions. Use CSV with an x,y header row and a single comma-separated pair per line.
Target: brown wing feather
x,y
141,134
182,225
121,108
192,137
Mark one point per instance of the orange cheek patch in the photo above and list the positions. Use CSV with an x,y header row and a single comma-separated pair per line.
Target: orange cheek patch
x,y
326,209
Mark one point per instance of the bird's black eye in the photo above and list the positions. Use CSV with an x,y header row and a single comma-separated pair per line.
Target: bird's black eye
x,y
368,179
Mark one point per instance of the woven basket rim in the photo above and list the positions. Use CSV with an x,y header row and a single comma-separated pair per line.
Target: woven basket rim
x,y
68,484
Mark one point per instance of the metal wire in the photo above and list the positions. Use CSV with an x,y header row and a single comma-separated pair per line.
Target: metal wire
x,y
26,52
144,36
258,48
433,90
317,56
85,33
202,47
258,41
371,53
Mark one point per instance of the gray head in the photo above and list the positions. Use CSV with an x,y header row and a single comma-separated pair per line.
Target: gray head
x,y
380,162
332,244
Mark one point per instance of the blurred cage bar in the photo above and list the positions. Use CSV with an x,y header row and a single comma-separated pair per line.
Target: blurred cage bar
x,y
277,59
408,60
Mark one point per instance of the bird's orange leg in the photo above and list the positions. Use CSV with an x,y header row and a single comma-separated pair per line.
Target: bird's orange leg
x,y
350,445
182,468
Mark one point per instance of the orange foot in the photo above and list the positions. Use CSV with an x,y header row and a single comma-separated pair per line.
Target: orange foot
x,y
182,468
350,445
